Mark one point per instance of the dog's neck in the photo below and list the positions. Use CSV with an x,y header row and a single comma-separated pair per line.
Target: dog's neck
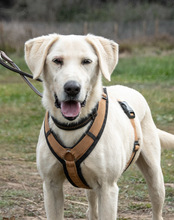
x,y
74,125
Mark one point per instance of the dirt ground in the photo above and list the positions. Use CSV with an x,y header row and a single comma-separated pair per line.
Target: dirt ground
x,y
21,191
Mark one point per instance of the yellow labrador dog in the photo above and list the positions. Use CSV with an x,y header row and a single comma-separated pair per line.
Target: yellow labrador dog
x,y
71,68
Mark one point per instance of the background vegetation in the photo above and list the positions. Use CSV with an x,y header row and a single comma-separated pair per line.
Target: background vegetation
x,y
125,21
82,10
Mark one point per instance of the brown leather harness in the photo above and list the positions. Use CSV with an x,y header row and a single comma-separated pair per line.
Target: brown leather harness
x,y
72,157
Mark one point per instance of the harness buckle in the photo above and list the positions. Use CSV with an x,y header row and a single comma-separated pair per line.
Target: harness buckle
x,y
136,146
127,109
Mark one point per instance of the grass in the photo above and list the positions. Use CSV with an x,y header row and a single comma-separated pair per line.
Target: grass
x,y
21,116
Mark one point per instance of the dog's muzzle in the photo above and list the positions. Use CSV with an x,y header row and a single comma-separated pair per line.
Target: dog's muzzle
x,y
71,106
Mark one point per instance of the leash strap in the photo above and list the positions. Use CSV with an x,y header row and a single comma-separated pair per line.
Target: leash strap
x,y
71,158
4,59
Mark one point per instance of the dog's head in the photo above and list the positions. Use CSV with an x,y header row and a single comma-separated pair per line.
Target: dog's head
x,y
71,67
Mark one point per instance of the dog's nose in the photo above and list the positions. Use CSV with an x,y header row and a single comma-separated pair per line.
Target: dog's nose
x,y
72,88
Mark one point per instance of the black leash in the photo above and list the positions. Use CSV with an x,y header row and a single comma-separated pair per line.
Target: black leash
x,y
9,64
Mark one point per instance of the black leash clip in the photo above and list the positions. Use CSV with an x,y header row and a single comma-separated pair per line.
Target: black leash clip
x,y
127,109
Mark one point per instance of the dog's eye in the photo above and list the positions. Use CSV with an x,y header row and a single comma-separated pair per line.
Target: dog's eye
x,y
58,61
86,61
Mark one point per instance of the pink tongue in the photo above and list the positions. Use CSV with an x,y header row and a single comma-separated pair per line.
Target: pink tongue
x,y
70,108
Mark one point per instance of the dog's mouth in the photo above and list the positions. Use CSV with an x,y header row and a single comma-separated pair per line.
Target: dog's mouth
x,y
70,109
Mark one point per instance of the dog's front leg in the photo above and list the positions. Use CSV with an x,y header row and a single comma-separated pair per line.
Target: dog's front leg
x,y
54,200
108,198
92,212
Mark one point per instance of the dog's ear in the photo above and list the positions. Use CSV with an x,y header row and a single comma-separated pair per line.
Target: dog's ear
x,y
107,52
36,51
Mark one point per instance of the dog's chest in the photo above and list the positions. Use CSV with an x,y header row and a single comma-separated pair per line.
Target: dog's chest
x,y
70,138
76,151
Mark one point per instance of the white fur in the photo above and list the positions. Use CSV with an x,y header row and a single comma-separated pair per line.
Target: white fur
x,y
103,167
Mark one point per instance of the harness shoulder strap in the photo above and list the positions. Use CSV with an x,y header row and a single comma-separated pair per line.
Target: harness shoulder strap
x,y
71,158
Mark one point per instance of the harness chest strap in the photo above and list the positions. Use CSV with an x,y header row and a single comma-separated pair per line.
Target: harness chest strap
x,y
71,158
